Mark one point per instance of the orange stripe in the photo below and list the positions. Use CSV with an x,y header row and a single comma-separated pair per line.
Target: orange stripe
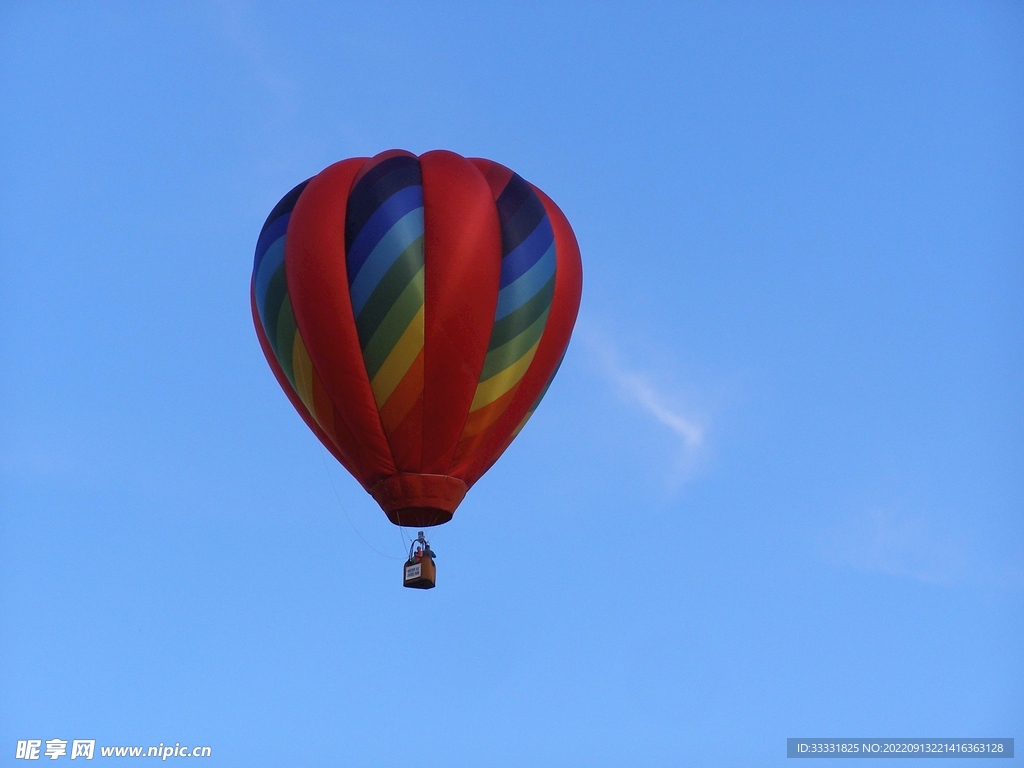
x,y
404,396
479,423
323,406
482,418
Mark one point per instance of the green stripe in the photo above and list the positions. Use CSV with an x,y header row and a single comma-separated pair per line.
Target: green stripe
x,y
393,325
388,290
499,359
516,322
546,388
539,397
285,338
277,292
548,385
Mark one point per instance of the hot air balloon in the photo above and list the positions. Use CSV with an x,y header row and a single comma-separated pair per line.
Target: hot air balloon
x,y
415,310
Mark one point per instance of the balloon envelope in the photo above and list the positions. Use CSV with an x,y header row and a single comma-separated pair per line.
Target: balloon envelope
x,y
414,310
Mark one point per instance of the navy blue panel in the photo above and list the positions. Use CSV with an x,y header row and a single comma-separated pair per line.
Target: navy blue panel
x,y
376,186
283,208
520,211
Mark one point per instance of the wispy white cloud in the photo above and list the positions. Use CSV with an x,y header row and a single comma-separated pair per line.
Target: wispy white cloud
x,y
655,403
664,407
31,460
249,34
914,546
238,25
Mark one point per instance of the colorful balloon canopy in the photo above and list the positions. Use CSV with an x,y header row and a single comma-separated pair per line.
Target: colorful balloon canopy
x,y
414,310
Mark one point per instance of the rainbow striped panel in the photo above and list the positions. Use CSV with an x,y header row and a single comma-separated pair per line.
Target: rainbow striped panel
x,y
526,418
274,307
533,407
524,301
384,259
271,288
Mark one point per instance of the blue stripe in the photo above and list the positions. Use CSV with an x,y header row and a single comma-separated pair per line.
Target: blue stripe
x,y
273,259
269,234
527,253
390,247
390,211
514,295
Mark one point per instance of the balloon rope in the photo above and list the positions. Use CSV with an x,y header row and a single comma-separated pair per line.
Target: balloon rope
x,y
308,386
333,486
406,540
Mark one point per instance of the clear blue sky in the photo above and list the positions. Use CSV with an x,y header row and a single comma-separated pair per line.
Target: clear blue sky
x,y
776,489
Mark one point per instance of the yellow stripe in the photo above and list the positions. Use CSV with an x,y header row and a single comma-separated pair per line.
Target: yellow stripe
x,y
401,357
522,424
302,366
411,296
510,349
500,383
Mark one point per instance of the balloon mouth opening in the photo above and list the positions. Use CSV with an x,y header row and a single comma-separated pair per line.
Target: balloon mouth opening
x,y
419,517
419,500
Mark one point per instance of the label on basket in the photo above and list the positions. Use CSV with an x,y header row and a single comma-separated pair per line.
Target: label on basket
x,y
413,571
